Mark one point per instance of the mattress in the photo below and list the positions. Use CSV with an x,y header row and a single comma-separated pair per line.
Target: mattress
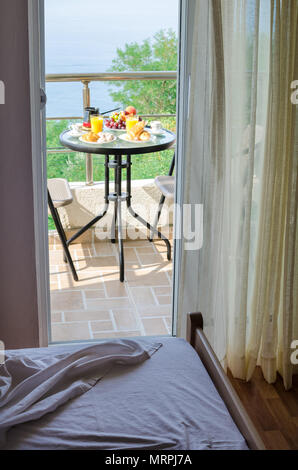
x,y
167,402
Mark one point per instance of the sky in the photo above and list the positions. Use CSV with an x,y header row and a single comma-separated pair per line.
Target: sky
x,y
87,33
83,36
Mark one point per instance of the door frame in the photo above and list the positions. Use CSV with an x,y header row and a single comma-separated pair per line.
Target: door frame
x,y
36,30
186,24
39,162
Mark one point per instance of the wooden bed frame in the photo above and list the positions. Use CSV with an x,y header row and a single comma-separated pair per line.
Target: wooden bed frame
x,y
198,340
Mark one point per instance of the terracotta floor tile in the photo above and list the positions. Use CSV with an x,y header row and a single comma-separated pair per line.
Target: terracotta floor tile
x,y
75,246
95,294
137,243
82,252
87,315
54,286
154,326
56,317
158,311
160,246
164,299
104,249
124,334
162,290
107,276
146,250
70,331
66,301
61,269
146,277
115,288
86,281
130,255
51,240
56,257
150,259
107,304
100,326
95,264
55,269
142,296
125,319
87,237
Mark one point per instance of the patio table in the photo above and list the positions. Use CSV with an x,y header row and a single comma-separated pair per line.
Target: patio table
x,y
115,161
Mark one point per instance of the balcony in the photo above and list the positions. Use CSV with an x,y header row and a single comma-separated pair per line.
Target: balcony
x,y
99,306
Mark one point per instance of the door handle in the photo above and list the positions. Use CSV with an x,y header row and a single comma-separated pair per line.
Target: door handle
x,y
43,98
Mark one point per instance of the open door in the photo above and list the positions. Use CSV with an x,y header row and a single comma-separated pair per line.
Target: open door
x,y
38,137
36,22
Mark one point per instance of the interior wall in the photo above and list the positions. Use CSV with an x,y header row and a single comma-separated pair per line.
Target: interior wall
x,y
18,295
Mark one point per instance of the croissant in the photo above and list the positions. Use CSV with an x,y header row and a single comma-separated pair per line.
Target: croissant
x,y
90,137
144,136
135,132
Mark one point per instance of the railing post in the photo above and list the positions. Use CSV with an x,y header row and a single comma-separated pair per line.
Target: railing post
x,y
88,156
86,94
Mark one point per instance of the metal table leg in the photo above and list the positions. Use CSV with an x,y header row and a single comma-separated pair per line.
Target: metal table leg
x,y
114,220
117,197
119,218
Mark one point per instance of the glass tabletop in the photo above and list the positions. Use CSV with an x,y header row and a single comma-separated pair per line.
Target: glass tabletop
x,y
120,146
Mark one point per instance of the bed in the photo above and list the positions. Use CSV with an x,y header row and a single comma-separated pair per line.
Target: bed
x,y
179,398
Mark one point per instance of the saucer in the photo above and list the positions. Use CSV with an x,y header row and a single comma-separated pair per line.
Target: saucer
x,y
160,132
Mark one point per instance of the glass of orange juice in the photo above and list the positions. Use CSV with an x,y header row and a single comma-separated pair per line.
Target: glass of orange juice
x,y
131,121
96,123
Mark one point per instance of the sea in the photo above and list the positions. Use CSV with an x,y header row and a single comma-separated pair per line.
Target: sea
x,y
82,36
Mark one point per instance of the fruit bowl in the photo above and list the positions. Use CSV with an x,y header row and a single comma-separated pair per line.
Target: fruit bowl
x,y
117,121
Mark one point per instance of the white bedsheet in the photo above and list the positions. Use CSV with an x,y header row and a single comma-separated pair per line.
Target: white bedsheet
x,y
31,388
166,403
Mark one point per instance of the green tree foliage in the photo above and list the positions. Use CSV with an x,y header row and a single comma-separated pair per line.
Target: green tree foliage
x,y
158,54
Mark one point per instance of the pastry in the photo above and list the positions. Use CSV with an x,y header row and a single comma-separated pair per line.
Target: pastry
x,y
135,132
105,138
145,136
90,137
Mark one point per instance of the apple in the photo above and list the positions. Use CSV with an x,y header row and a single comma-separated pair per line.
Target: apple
x,y
131,110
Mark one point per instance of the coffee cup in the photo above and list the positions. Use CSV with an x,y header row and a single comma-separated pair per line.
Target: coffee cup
x,y
156,126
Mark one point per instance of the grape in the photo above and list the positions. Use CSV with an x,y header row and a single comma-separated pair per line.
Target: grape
x,y
116,121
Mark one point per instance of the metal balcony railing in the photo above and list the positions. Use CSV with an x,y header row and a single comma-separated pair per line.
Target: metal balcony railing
x,y
86,79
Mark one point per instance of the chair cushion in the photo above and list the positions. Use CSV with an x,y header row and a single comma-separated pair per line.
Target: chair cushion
x,y
166,184
60,192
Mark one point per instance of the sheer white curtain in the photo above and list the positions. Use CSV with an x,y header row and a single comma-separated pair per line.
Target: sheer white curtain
x,y
241,164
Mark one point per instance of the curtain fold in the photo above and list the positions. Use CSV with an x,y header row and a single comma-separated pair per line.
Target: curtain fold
x,y
274,278
245,176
